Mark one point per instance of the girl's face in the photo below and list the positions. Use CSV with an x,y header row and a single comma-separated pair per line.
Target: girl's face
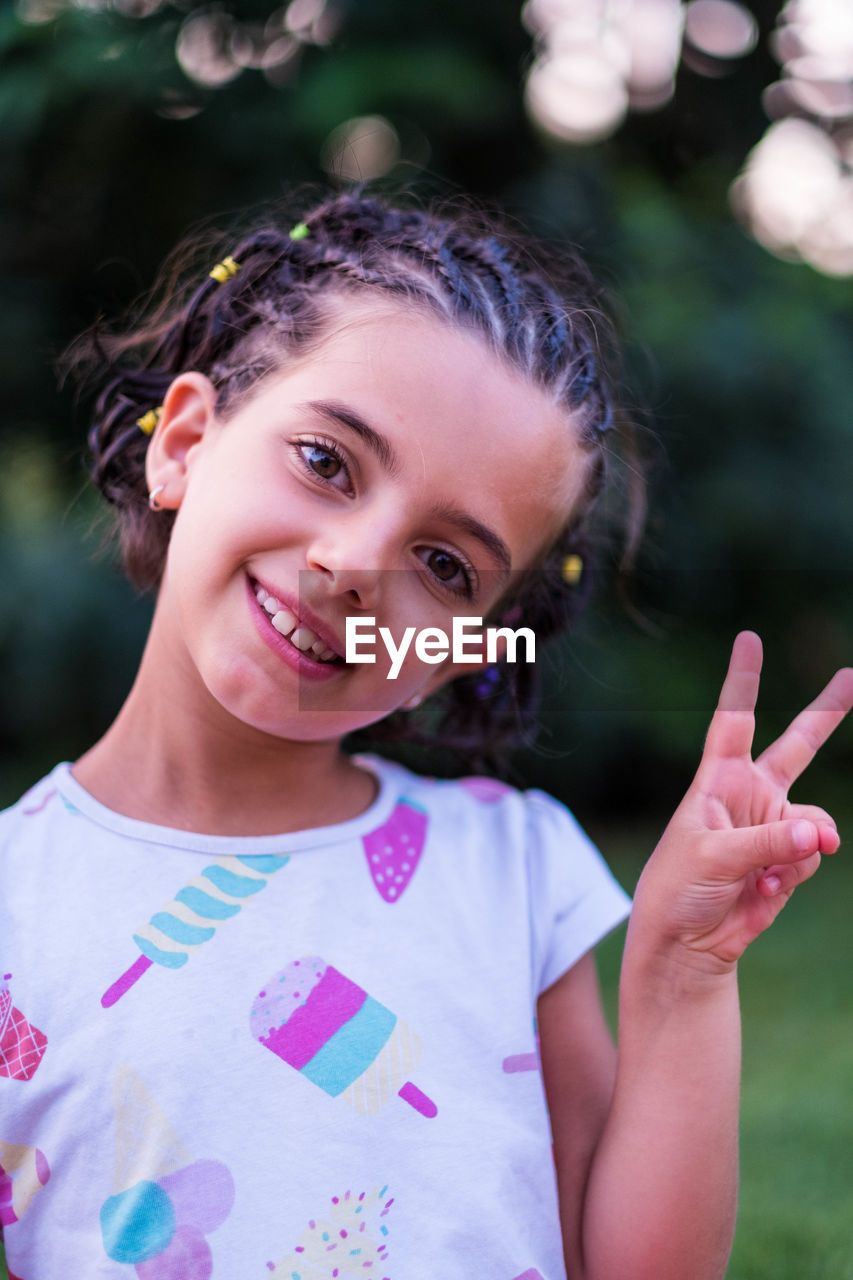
x,y
398,473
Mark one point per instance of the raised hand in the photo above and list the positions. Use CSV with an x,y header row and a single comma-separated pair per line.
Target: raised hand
x,y
737,847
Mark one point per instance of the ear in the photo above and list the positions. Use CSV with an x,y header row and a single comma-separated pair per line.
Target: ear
x,y
189,409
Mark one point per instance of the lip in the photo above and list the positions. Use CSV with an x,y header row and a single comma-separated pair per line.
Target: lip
x,y
301,612
293,657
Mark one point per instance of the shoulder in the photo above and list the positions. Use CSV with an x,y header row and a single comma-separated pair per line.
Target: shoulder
x,y
531,819
16,821
531,836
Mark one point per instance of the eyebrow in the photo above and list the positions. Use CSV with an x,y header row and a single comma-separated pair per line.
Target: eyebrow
x,y
342,415
449,514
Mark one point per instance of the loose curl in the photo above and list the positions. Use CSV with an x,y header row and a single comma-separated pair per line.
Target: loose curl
x,y
541,312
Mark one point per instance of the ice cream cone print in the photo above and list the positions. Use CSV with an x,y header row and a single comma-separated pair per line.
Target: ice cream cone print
x,y
332,1032
23,1172
349,1241
393,850
165,1202
22,1045
146,1145
192,917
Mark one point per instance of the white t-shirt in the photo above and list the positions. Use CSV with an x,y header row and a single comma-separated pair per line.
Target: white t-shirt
x,y
300,1056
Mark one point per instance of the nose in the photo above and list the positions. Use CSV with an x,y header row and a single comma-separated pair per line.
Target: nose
x,y
351,561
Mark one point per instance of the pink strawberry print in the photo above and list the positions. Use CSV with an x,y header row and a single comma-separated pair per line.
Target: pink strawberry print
x,y
394,850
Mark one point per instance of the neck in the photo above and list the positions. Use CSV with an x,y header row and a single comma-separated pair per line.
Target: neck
x,y
189,764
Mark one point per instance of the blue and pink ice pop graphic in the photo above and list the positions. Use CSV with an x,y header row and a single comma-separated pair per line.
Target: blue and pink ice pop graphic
x,y
192,917
332,1032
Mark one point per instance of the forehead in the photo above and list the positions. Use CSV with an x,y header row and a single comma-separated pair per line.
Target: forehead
x,y
462,419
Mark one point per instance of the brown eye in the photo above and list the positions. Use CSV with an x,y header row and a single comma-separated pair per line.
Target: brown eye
x,y
444,566
325,464
455,574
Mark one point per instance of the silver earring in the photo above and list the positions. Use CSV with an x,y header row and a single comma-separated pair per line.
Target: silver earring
x,y
152,498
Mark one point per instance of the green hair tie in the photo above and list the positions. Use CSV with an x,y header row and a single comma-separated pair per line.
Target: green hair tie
x,y
300,231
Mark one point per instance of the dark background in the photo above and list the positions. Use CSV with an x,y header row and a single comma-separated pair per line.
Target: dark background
x,y
738,363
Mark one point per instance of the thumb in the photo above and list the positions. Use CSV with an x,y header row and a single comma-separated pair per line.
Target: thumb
x,y
743,849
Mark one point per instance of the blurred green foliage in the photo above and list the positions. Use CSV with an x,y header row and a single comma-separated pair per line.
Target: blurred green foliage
x,y
738,363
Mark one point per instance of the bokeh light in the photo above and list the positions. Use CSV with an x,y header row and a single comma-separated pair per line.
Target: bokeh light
x,y
579,97
595,59
361,149
203,49
718,29
796,191
796,196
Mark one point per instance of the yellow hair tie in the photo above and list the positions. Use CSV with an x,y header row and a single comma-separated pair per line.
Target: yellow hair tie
x,y
224,270
571,570
149,420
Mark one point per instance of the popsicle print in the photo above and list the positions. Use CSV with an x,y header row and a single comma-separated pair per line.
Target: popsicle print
x,y
22,1045
393,850
192,917
332,1032
23,1172
520,1062
347,1241
524,1061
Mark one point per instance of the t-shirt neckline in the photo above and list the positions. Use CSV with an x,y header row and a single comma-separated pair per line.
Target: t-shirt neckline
x,y
386,773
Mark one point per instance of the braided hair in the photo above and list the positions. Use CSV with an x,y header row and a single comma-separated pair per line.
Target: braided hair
x,y
539,312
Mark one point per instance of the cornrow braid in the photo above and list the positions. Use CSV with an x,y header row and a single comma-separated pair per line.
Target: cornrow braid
x,y
542,313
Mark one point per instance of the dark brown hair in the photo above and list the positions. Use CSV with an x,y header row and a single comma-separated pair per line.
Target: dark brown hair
x,y
540,311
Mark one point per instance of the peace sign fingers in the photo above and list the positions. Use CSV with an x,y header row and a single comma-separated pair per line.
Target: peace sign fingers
x,y
786,758
733,724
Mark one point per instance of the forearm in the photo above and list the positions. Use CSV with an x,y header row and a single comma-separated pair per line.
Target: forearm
x,y
662,1192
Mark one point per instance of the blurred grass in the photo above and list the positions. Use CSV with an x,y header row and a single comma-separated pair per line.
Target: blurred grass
x,y
797,1119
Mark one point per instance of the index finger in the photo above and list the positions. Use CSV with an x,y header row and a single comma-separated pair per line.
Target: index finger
x,y
787,757
733,723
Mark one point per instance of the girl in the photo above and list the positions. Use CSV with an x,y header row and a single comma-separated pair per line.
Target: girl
x,y
269,1007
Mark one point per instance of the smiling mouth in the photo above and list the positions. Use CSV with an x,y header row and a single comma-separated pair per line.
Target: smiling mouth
x,y
289,626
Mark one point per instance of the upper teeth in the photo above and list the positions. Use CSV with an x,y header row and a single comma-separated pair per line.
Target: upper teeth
x,y
297,633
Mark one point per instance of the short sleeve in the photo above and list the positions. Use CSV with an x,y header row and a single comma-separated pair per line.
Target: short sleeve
x,y
575,900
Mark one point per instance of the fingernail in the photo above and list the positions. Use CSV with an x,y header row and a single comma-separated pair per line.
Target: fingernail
x,y
804,835
773,883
